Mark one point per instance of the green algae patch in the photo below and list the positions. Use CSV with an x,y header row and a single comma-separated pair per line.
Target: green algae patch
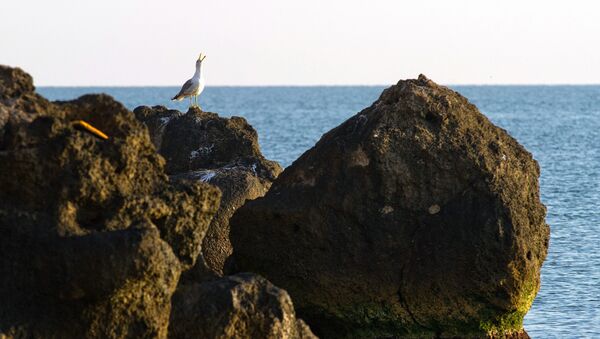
x,y
505,323
368,320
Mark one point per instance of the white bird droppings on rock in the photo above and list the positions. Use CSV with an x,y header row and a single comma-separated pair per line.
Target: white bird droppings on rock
x,y
207,176
164,120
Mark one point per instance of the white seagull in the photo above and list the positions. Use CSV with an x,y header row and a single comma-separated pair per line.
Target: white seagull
x,y
193,87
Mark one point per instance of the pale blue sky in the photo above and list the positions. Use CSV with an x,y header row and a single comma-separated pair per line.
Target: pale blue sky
x,y
275,42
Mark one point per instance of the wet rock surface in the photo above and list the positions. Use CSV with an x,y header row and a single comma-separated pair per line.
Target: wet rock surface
x,y
93,235
416,217
201,146
238,306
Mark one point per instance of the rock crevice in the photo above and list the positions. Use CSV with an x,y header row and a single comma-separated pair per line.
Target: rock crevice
x,y
201,146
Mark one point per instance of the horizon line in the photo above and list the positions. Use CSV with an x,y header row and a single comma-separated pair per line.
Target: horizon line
x,y
327,85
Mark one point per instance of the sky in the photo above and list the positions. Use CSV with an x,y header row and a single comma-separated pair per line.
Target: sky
x,y
308,42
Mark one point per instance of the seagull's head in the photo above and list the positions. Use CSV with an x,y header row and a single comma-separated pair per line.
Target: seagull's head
x,y
201,57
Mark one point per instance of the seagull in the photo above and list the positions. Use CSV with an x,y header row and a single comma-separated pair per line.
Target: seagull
x,y
193,87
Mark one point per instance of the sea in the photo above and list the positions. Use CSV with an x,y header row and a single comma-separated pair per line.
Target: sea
x,y
559,125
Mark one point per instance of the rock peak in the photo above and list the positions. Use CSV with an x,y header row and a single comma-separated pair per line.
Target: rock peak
x,y
194,109
415,94
14,82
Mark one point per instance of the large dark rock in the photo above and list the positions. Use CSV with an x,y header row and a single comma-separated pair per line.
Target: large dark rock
x,y
415,217
93,235
201,146
238,306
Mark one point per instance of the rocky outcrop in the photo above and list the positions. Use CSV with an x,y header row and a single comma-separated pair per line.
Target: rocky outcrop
x,y
93,235
15,83
238,306
415,217
224,152
201,140
18,101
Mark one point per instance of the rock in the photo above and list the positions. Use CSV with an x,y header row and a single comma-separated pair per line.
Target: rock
x,y
224,152
14,83
203,147
201,140
18,101
239,306
93,235
415,217
237,185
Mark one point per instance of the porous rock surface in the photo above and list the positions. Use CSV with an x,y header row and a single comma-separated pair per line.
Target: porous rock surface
x,y
199,140
93,235
201,146
18,101
238,306
417,217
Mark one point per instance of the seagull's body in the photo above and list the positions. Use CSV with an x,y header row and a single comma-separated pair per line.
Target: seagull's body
x,y
194,86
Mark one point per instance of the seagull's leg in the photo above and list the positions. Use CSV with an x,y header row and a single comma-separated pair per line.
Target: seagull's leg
x,y
191,104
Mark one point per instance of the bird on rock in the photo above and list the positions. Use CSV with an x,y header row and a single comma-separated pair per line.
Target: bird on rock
x,y
194,86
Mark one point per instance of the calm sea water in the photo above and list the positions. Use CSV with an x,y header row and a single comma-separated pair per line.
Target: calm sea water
x,y
560,125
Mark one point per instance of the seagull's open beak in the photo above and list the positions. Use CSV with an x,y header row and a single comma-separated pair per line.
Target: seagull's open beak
x,y
203,56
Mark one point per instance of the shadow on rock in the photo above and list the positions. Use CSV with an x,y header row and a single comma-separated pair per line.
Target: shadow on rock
x,y
238,306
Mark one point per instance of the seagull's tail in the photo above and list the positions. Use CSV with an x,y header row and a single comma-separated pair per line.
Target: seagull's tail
x,y
177,98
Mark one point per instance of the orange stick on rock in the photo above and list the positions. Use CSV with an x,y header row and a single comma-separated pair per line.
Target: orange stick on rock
x,y
91,129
